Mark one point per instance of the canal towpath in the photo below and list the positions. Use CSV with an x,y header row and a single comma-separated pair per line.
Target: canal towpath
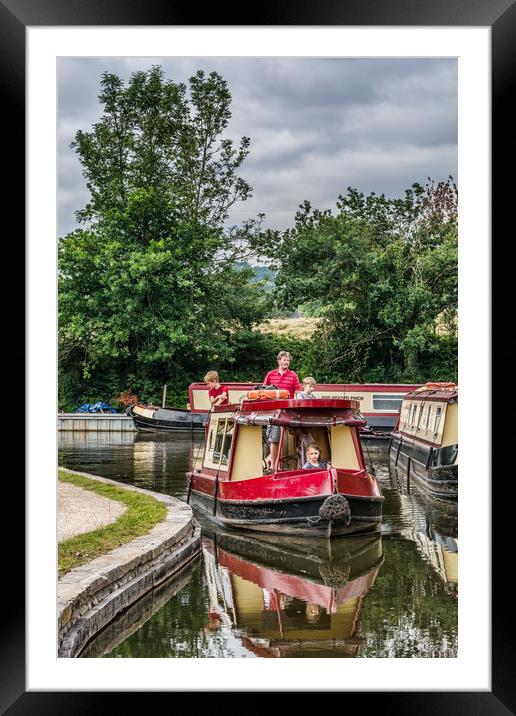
x,y
81,510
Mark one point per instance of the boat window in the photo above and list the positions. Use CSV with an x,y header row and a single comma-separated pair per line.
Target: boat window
x,y
421,409
223,439
438,412
405,415
221,426
413,420
428,414
226,447
387,401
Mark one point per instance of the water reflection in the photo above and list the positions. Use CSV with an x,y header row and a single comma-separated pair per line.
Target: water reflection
x,y
283,599
136,616
152,461
432,524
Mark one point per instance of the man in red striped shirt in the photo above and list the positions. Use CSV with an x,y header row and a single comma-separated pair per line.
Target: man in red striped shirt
x,y
285,379
282,377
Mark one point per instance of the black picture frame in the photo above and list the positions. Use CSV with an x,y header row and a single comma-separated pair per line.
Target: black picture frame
x,y
500,16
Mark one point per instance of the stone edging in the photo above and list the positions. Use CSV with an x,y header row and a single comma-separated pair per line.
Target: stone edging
x,y
90,596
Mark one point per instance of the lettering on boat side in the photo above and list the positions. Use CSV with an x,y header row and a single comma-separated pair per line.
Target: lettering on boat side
x,y
343,397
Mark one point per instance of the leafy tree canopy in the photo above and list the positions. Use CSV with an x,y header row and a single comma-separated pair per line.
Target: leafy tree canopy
x,y
148,289
383,275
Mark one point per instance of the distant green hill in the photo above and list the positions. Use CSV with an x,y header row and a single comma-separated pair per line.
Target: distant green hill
x,y
261,273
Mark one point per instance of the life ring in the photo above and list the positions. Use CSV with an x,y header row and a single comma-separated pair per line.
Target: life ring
x,y
263,394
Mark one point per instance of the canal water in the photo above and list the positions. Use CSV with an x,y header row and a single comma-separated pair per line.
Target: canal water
x,y
391,595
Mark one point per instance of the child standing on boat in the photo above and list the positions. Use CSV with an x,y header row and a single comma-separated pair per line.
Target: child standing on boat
x,y
217,393
308,389
313,455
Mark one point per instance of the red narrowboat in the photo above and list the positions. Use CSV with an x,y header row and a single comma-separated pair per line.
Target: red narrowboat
x,y
232,483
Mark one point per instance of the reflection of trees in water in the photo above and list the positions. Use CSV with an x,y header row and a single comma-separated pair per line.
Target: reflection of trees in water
x,y
409,612
176,629
133,618
429,522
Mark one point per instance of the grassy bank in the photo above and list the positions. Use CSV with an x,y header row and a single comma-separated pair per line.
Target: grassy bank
x,y
142,513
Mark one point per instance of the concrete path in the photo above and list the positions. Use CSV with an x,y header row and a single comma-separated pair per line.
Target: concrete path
x,y
81,510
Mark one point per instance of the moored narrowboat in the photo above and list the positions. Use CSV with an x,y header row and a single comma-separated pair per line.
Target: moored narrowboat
x,y
425,441
233,484
152,418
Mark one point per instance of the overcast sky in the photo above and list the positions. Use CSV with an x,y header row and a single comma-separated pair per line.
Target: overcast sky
x,y
316,126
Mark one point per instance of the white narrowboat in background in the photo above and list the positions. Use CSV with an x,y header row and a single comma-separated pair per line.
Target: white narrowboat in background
x,y
379,403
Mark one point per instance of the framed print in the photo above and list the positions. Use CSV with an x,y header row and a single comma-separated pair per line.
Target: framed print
x,y
34,38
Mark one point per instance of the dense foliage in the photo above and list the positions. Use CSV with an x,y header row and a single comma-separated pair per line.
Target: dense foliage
x,y
154,290
382,273
149,290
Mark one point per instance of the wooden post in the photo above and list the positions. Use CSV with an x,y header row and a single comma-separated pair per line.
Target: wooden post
x,y
164,396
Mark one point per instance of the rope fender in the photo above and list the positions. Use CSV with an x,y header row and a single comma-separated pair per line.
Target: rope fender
x,y
335,508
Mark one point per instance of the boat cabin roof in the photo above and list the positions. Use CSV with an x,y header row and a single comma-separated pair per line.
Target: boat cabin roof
x,y
447,394
296,413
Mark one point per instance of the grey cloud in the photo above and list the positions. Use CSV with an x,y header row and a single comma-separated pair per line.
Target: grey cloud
x,y
316,125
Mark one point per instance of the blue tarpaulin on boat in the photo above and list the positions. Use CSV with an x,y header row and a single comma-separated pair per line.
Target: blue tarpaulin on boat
x,y
98,407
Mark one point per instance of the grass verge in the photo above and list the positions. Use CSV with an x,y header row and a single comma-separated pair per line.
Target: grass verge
x,y
142,513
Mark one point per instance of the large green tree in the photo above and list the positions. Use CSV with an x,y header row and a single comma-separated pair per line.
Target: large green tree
x,y
151,287
383,276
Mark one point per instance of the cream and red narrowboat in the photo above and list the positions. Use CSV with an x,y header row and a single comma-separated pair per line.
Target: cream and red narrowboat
x,y
231,482
425,441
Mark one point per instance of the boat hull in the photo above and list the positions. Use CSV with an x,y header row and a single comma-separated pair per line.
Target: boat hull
x,y
431,467
294,516
167,420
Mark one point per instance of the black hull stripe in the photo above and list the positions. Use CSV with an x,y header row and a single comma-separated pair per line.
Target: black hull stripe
x,y
161,426
365,516
289,500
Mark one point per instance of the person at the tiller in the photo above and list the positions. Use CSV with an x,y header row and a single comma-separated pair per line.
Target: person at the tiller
x,y
284,379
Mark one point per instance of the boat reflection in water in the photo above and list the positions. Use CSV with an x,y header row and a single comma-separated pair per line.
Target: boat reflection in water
x,y
433,525
283,598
